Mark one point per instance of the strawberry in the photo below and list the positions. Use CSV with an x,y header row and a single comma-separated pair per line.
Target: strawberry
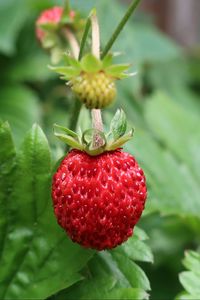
x,y
92,79
51,28
98,191
49,17
99,199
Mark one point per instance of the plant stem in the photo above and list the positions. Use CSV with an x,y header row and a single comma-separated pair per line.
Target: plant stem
x,y
75,114
67,6
96,113
97,119
77,104
84,38
73,43
120,27
95,35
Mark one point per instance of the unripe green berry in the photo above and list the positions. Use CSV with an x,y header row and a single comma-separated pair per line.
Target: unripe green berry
x,y
96,90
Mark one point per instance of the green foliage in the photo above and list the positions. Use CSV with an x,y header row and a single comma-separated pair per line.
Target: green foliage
x,y
116,273
190,279
21,107
162,103
13,15
172,148
36,257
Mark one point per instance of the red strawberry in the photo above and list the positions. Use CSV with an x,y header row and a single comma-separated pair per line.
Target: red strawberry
x,y
99,199
49,16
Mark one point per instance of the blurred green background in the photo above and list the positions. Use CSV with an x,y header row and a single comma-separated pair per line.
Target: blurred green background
x,y
163,104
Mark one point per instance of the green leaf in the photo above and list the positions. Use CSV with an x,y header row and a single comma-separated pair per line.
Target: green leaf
x,y
127,293
142,251
7,166
185,296
192,261
177,128
191,279
169,147
191,282
36,257
30,62
19,106
118,124
112,275
133,273
12,15
89,63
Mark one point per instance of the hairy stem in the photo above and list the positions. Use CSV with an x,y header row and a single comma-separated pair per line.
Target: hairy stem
x,y
73,43
121,25
96,113
97,119
95,35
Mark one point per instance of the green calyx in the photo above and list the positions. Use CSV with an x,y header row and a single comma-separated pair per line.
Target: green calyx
x,y
90,64
95,142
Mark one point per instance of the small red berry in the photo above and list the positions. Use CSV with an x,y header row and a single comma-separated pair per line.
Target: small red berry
x,y
50,16
98,200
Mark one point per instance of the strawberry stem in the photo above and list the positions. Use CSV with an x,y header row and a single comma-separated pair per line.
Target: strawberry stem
x,y
96,113
95,35
120,27
73,42
97,119
77,104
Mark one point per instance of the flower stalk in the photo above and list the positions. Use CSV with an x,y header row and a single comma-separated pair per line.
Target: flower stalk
x,y
72,42
120,27
97,122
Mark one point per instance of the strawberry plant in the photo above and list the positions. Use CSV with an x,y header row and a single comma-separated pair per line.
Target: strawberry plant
x,y
90,147
190,279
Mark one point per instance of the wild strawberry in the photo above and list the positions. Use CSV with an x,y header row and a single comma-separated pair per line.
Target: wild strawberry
x,y
99,199
49,17
51,29
99,191
92,80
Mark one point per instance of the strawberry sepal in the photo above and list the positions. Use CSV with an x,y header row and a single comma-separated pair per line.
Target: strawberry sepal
x,y
95,142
